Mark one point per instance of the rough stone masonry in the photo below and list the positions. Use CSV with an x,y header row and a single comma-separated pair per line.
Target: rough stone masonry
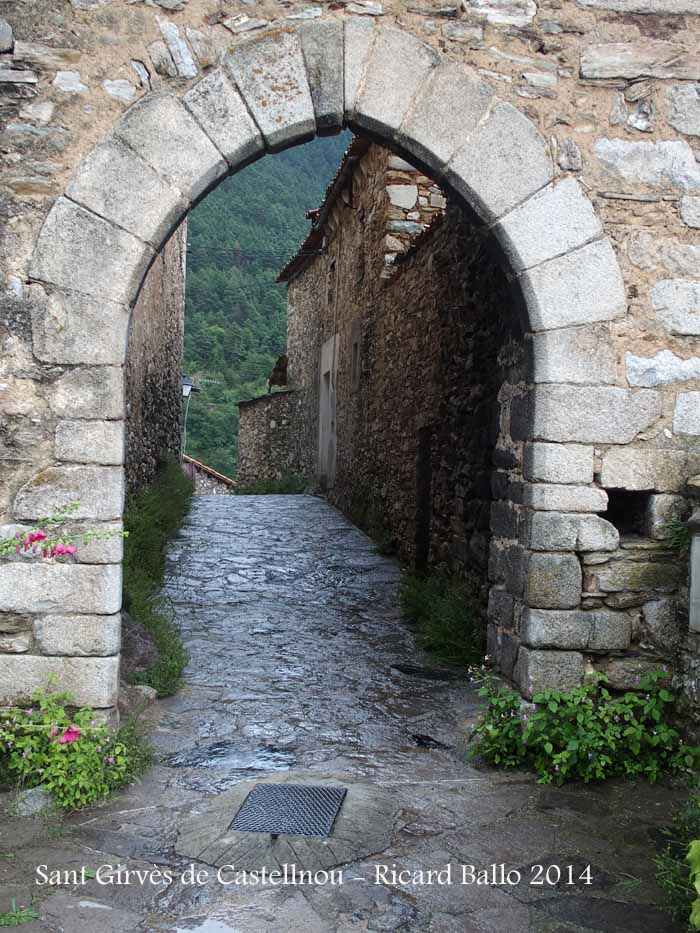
x,y
569,128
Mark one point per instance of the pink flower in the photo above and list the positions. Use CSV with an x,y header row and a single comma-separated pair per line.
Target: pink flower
x,y
40,536
63,549
54,732
70,735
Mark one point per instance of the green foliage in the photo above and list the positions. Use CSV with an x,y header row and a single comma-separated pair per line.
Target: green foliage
x,y
449,614
152,517
49,744
289,484
693,860
675,874
587,733
678,536
18,916
499,735
239,238
50,538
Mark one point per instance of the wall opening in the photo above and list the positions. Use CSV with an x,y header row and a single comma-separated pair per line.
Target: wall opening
x,y
627,511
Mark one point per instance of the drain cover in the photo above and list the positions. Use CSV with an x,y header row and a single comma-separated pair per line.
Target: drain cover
x,y
301,809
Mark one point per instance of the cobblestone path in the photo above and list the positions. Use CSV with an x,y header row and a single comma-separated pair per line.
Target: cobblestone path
x,y
302,671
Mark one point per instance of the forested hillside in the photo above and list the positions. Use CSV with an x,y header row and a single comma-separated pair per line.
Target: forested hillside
x,y
238,239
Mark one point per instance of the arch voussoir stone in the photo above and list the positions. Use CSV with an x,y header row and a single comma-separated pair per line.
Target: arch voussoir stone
x,y
554,221
79,251
221,112
270,74
445,111
148,206
399,64
580,287
358,38
504,161
322,44
166,136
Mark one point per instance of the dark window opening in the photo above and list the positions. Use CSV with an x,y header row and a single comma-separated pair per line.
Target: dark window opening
x,y
627,511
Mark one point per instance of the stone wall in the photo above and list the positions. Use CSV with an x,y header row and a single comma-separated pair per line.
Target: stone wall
x,y
207,482
153,370
569,128
268,445
434,448
428,359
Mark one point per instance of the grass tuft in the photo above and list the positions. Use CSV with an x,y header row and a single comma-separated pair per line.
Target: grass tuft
x,y
152,518
290,484
677,535
18,916
449,614
672,869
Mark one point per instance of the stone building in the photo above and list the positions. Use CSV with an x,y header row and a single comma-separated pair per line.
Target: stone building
x,y
152,376
569,127
407,365
207,481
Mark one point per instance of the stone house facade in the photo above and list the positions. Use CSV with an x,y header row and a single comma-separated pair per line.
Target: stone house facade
x,y
569,127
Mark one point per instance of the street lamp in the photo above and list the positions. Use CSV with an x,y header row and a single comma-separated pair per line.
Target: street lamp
x,y
188,387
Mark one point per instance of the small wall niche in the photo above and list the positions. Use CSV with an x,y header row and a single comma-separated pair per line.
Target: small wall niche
x,y
627,511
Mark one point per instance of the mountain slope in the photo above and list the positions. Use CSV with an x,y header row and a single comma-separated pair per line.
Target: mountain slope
x,y
238,239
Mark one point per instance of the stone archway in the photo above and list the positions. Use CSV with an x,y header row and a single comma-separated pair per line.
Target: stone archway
x,y
166,152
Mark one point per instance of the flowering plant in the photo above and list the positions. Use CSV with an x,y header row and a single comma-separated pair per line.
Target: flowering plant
x,y
50,539
64,750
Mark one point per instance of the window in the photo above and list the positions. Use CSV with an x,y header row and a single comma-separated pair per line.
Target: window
x,y
627,511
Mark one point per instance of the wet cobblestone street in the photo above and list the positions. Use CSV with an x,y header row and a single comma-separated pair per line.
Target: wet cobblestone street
x,y
300,671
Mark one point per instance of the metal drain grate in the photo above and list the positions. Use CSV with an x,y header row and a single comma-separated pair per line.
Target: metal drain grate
x,y
301,809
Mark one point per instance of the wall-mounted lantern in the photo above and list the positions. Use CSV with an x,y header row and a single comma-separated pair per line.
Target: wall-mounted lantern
x,y
188,387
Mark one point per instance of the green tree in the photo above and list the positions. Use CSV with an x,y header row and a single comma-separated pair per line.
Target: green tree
x,y
238,239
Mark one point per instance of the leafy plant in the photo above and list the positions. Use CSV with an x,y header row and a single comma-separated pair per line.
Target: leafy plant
x,y
500,734
288,484
152,517
587,733
678,536
693,860
18,916
676,874
449,615
62,749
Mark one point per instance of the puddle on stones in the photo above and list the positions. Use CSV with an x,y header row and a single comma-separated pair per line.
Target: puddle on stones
x,y
231,755
428,673
209,926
